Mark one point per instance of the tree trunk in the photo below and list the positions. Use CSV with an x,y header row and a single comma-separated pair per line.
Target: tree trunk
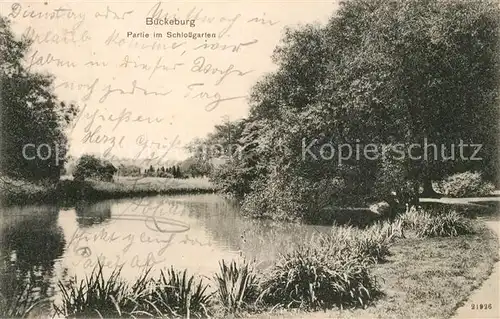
x,y
428,190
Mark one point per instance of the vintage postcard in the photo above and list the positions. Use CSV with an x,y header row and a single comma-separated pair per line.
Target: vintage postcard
x,y
249,159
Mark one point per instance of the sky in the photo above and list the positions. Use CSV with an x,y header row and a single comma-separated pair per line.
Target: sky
x,y
142,95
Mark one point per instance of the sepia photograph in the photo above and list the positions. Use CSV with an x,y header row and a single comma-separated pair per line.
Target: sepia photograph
x,y
275,159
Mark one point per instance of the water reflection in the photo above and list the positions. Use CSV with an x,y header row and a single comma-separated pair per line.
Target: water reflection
x,y
259,240
45,244
30,244
89,214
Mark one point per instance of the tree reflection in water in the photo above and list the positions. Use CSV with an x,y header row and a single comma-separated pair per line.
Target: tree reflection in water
x,y
89,214
255,239
30,244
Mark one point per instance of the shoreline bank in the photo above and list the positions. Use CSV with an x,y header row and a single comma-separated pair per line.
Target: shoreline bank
x,y
16,192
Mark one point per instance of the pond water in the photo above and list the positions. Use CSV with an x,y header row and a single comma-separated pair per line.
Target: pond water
x,y
47,244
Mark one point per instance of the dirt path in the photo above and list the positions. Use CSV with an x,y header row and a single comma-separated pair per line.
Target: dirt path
x,y
488,293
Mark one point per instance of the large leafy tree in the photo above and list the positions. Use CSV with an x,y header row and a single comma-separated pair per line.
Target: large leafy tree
x,y
89,166
196,166
30,113
383,72
230,142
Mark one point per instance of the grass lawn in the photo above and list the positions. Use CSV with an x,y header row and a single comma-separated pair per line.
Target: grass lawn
x,y
423,278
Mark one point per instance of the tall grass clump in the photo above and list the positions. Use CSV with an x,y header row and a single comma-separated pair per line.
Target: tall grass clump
x,y
372,242
375,240
318,277
178,295
174,294
236,285
435,223
97,297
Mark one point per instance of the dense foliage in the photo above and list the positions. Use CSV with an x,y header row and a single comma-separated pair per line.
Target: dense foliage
x,y
33,144
173,295
196,167
391,74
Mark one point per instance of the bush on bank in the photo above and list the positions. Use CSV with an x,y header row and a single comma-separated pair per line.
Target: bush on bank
x,y
436,223
467,184
96,296
291,197
318,277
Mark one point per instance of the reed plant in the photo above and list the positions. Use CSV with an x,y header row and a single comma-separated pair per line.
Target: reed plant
x,y
176,294
237,286
372,242
318,277
98,297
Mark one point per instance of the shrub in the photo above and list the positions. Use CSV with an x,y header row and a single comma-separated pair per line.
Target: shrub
x,y
277,197
466,184
128,170
436,223
381,208
289,197
236,286
172,295
89,166
22,191
180,295
318,277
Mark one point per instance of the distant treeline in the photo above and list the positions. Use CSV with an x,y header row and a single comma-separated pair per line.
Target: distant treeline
x,y
90,166
185,169
172,171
